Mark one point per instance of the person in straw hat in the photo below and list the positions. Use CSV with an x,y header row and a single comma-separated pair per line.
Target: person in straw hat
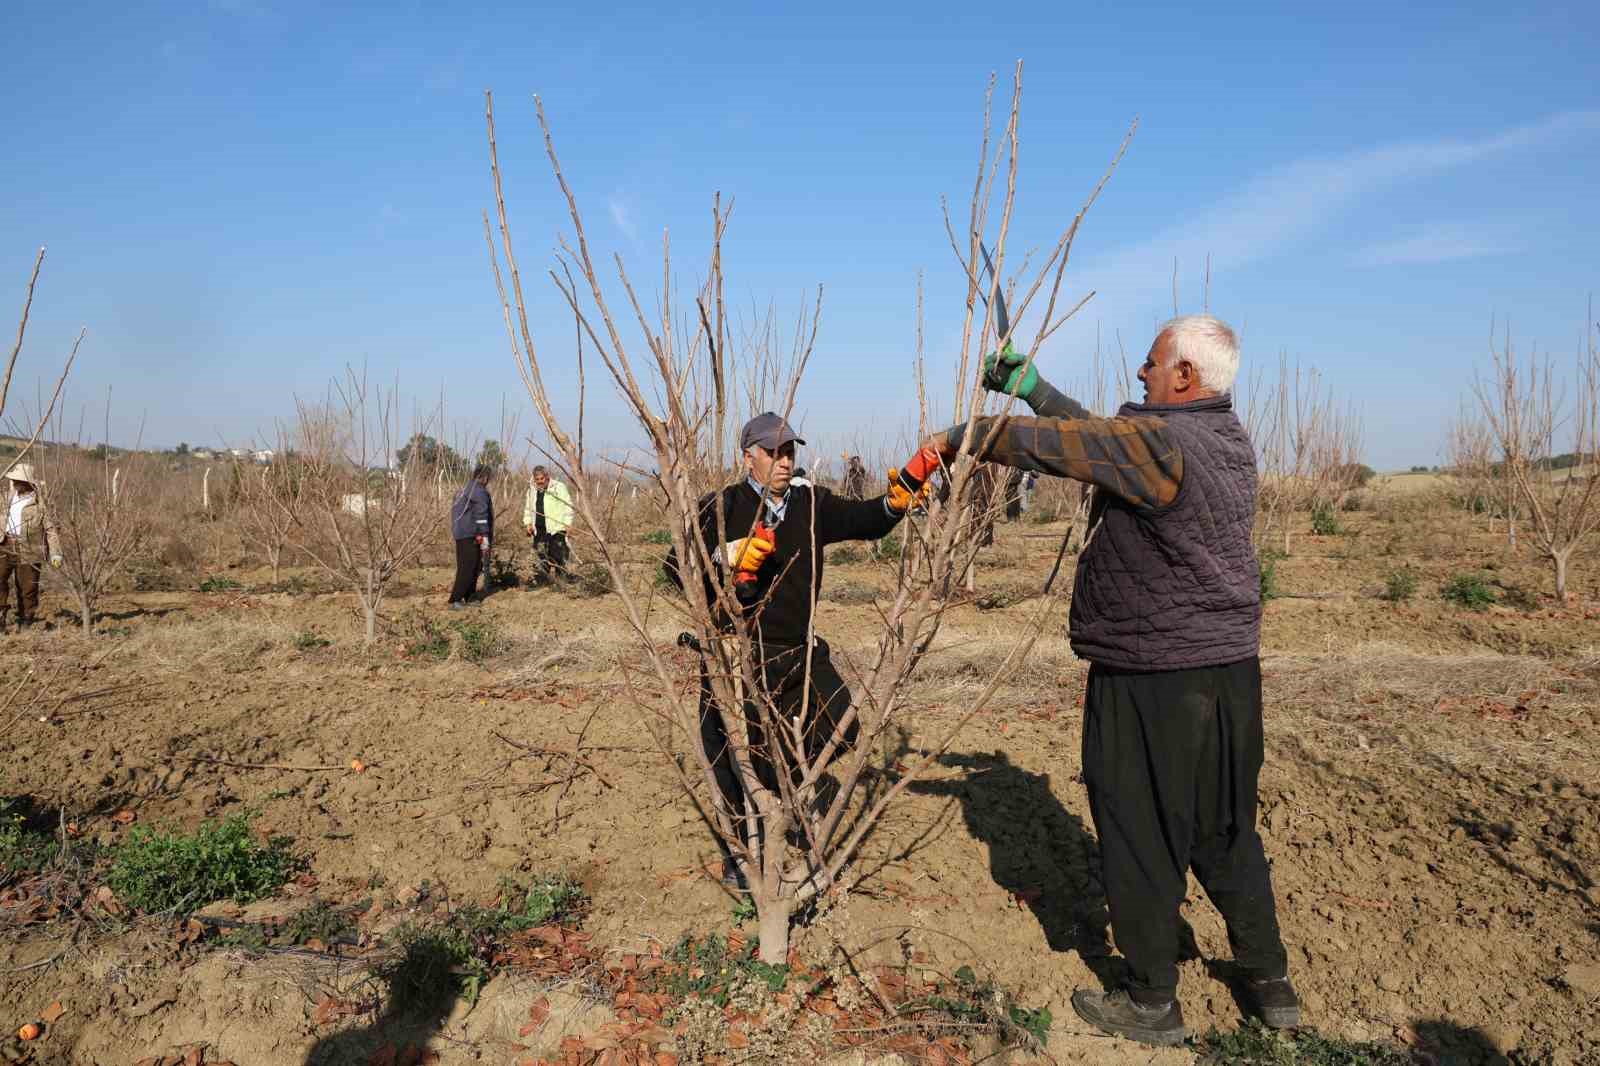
x,y
28,538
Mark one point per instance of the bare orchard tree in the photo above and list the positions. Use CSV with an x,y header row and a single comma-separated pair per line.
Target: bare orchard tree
x,y
1469,453
99,501
796,833
272,495
359,518
1308,448
1534,412
11,366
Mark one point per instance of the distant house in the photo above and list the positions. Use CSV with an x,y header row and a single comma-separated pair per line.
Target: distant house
x,y
201,453
263,456
238,453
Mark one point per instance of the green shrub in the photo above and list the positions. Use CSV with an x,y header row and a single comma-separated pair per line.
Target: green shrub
x,y
320,921
436,964
1324,520
220,584
442,960
480,639
1471,591
1518,597
657,536
547,900
154,870
980,1003
1254,1045
425,638
24,848
307,640
707,969
1269,576
845,554
1400,585
850,593
588,580
889,548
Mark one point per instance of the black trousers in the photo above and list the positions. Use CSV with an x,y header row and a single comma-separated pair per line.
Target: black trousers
x,y
784,671
550,554
1171,762
467,563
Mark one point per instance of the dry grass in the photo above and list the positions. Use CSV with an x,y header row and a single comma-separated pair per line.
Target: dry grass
x,y
1386,702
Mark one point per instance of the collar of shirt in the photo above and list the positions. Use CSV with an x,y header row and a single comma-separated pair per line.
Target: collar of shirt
x,y
775,508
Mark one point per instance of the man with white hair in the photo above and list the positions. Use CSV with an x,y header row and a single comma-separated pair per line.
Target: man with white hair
x,y
1166,606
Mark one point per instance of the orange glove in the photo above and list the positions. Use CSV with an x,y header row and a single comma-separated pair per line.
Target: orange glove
x,y
918,469
901,499
747,554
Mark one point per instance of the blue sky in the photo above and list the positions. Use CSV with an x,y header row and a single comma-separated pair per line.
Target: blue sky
x,y
241,196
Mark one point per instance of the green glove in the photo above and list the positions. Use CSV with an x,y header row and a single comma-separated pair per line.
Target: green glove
x,y
1003,372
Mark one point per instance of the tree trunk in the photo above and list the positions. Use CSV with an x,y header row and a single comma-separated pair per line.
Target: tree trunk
x,y
277,554
1560,560
87,611
773,918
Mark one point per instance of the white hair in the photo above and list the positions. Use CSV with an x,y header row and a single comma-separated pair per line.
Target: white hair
x,y
1207,344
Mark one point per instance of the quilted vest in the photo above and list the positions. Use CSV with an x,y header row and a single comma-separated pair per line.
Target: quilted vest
x,y
1178,587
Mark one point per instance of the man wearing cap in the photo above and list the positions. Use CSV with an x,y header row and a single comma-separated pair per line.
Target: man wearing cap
x,y
776,529
29,536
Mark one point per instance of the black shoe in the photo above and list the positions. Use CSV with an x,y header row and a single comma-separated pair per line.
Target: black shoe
x,y
1117,1013
1274,1002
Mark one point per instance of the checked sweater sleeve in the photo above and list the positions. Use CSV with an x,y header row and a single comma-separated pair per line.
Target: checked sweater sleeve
x,y
1133,457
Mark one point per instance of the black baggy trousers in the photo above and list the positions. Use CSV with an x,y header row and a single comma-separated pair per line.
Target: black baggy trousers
x,y
468,559
784,671
1171,761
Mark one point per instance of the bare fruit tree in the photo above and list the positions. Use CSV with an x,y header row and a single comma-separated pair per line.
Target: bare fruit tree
x,y
99,501
44,416
1469,454
272,495
1533,413
1308,448
805,819
361,515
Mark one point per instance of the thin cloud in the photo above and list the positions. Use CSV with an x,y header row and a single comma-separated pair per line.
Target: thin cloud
x,y
1284,206
1439,242
622,216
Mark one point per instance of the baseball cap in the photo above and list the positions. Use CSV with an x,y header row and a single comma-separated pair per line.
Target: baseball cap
x,y
768,430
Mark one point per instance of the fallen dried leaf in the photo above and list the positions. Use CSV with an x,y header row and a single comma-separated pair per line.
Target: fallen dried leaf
x,y
315,944
124,816
52,1012
195,1056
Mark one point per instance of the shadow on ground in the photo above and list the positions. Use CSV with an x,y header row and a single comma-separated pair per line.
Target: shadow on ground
x,y
1445,1042
1039,851
422,990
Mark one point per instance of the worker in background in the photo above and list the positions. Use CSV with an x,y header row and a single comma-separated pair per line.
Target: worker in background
x,y
547,515
29,538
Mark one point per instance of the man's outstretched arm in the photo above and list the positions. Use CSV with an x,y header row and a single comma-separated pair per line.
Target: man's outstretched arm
x,y
1135,458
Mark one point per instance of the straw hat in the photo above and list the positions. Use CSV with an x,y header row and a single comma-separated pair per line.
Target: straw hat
x,y
21,472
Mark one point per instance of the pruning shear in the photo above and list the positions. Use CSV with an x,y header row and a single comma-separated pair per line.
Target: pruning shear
x,y
995,376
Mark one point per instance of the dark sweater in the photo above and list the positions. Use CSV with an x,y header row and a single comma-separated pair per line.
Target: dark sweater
x,y
815,518
472,513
